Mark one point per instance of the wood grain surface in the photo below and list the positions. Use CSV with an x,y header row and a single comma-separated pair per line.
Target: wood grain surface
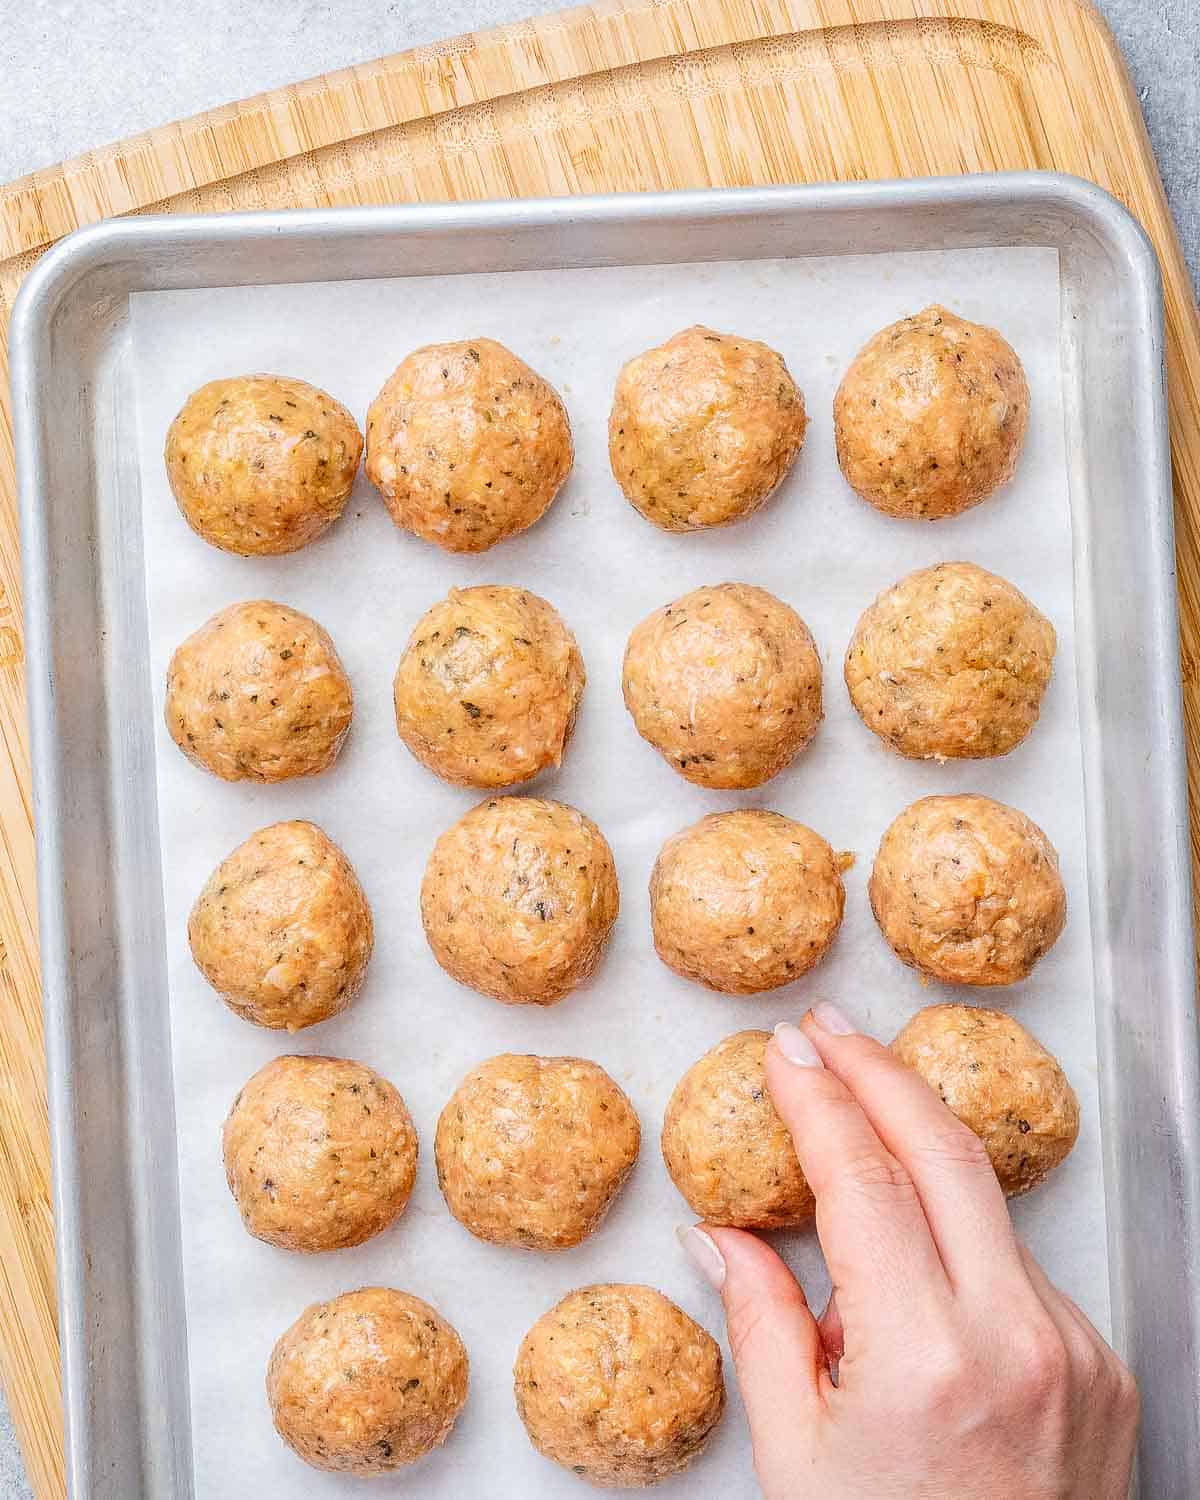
x,y
622,94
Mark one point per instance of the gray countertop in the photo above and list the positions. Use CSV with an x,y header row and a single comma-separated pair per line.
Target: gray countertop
x,y
77,74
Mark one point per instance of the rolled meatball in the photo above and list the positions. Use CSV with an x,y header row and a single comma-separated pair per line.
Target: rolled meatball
x,y
320,1153
259,694
467,444
931,415
262,464
619,1385
745,901
967,890
950,664
703,429
725,683
367,1383
489,686
1001,1083
726,1148
531,1151
282,930
518,899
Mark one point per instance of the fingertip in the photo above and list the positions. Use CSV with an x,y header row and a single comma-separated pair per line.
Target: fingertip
x,y
792,1044
831,1019
700,1248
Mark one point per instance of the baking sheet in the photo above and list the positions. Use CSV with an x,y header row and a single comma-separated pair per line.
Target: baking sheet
x,y
816,546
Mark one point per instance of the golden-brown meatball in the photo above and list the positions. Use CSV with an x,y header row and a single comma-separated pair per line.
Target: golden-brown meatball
x,y
282,930
967,890
703,429
258,694
467,444
619,1385
518,899
930,416
726,1148
531,1151
320,1153
262,464
1001,1083
488,688
745,901
950,664
367,1383
725,683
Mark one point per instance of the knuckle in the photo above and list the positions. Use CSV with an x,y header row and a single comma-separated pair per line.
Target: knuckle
x,y
1090,1365
1041,1356
829,1092
952,1143
879,1177
1128,1400
946,1375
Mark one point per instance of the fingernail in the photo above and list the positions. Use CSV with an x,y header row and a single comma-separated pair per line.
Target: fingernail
x,y
796,1047
829,1018
701,1250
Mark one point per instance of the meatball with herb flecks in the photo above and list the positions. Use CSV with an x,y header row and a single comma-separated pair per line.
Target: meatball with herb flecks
x,y
745,901
703,429
619,1385
320,1153
518,899
368,1382
489,687
282,930
262,464
967,890
725,683
531,1151
951,663
931,415
258,694
467,444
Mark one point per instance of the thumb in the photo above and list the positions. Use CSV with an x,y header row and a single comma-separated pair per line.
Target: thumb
x,y
773,1337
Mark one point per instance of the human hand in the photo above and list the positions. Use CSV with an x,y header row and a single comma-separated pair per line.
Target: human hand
x,y
962,1373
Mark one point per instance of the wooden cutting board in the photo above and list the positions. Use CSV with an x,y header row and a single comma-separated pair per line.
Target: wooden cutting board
x,y
622,94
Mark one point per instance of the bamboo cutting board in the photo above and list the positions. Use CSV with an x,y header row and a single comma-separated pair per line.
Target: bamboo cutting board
x,y
621,94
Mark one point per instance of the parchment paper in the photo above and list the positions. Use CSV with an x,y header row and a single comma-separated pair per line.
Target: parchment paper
x,y
818,547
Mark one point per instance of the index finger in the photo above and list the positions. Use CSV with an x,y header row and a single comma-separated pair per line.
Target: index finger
x,y
957,1184
877,1242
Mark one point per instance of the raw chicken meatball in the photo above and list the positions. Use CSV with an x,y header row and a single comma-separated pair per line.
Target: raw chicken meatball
x,y
282,930
467,444
703,429
518,899
1001,1083
950,664
262,464
488,688
725,683
967,890
531,1151
619,1385
367,1383
930,416
745,901
258,694
320,1153
726,1148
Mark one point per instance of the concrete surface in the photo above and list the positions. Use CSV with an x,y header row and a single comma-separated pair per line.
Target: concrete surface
x,y
77,74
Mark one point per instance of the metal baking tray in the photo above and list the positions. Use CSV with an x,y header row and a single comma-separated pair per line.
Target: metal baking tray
x,y
121,1305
